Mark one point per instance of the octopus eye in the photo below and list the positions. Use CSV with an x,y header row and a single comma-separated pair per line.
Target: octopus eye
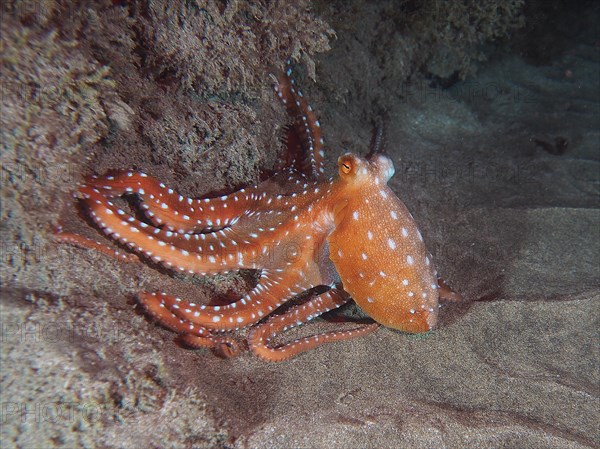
x,y
348,164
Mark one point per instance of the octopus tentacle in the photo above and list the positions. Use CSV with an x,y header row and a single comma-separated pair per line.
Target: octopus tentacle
x,y
273,289
446,293
164,206
83,242
377,139
142,237
244,244
306,125
190,334
194,253
261,335
223,346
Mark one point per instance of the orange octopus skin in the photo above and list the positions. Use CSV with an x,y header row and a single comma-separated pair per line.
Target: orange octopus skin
x,y
342,238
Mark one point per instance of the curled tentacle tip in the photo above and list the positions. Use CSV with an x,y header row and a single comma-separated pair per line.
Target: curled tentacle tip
x,y
227,350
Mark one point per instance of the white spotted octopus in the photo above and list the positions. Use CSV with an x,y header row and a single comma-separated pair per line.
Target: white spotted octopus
x,y
332,240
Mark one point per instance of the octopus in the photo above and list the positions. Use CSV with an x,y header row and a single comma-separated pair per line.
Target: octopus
x,y
314,242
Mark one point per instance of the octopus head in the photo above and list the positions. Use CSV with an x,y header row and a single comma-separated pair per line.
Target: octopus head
x,y
377,250
353,168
